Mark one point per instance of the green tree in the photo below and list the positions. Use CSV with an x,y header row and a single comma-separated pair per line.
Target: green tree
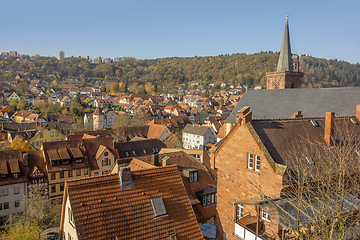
x,y
13,103
21,104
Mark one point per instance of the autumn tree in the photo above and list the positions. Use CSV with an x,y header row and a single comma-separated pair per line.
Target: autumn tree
x,y
121,120
140,118
121,87
114,88
13,103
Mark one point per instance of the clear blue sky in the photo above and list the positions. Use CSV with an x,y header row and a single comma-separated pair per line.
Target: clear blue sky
x,y
167,28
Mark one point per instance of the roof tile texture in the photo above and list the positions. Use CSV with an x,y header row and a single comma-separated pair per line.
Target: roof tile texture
x,y
103,211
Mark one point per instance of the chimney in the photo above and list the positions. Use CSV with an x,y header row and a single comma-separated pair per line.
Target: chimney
x,y
297,115
155,159
164,160
26,159
244,115
125,179
329,128
358,112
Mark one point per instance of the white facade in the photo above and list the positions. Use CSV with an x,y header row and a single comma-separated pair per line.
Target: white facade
x,y
60,55
69,224
109,118
194,141
11,197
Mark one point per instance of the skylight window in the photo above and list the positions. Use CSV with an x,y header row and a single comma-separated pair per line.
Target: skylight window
x,y
158,206
314,123
357,152
353,121
310,161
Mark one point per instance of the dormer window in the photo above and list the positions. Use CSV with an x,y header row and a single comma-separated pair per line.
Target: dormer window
x,y
134,153
16,175
127,154
191,174
3,177
158,206
172,237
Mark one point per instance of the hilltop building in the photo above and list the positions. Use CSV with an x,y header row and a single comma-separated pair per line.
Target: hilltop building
x,y
287,74
60,55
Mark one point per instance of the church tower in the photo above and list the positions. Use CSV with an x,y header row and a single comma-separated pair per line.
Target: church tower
x,y
98,119
287,73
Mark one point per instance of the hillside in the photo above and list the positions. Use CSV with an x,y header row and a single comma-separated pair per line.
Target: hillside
x,y
249,69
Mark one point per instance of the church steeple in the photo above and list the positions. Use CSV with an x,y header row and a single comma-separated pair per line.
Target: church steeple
x,y
285,61
288,73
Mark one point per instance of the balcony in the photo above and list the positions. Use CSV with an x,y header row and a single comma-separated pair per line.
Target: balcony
x,y
246,229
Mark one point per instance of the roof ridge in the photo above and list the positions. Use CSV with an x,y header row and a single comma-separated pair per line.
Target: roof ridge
x,y
298,119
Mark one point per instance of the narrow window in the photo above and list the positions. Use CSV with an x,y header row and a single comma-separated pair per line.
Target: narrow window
x,y
78,172
56,134
127,154
70,174
208,199
239,211
61,187
53,188
71,220
17,203
51,134
61,174
5,192
53,176
250,161
134,153
85,172
0,206
212,198
191,177
204,200
195,177
16,190
257,163
41,135
6,205
265,216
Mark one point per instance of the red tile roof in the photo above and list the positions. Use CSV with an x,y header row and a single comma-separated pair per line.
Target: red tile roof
x,y
102,210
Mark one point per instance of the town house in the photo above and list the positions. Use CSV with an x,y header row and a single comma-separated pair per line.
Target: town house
x,y
145,204
250,163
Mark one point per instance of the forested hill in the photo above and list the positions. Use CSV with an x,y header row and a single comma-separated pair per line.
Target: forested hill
x,y
249,69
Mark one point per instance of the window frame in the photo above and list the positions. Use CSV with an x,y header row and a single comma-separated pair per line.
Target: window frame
x,y
6,205
17,203
257,163
5,192
265,216
239,211
250,162
70,173
18,190
78,172
71,217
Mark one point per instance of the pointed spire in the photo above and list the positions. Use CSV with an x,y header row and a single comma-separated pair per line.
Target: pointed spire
x,y
285,62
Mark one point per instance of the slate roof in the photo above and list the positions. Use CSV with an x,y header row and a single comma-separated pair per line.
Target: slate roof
x,y
138,146
195,129
127,213
312,102
280,136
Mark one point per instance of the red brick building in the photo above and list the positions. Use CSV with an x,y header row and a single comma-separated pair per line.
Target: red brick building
x,y
250,163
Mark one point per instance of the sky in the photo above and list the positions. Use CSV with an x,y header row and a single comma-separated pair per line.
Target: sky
x,y
168,28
